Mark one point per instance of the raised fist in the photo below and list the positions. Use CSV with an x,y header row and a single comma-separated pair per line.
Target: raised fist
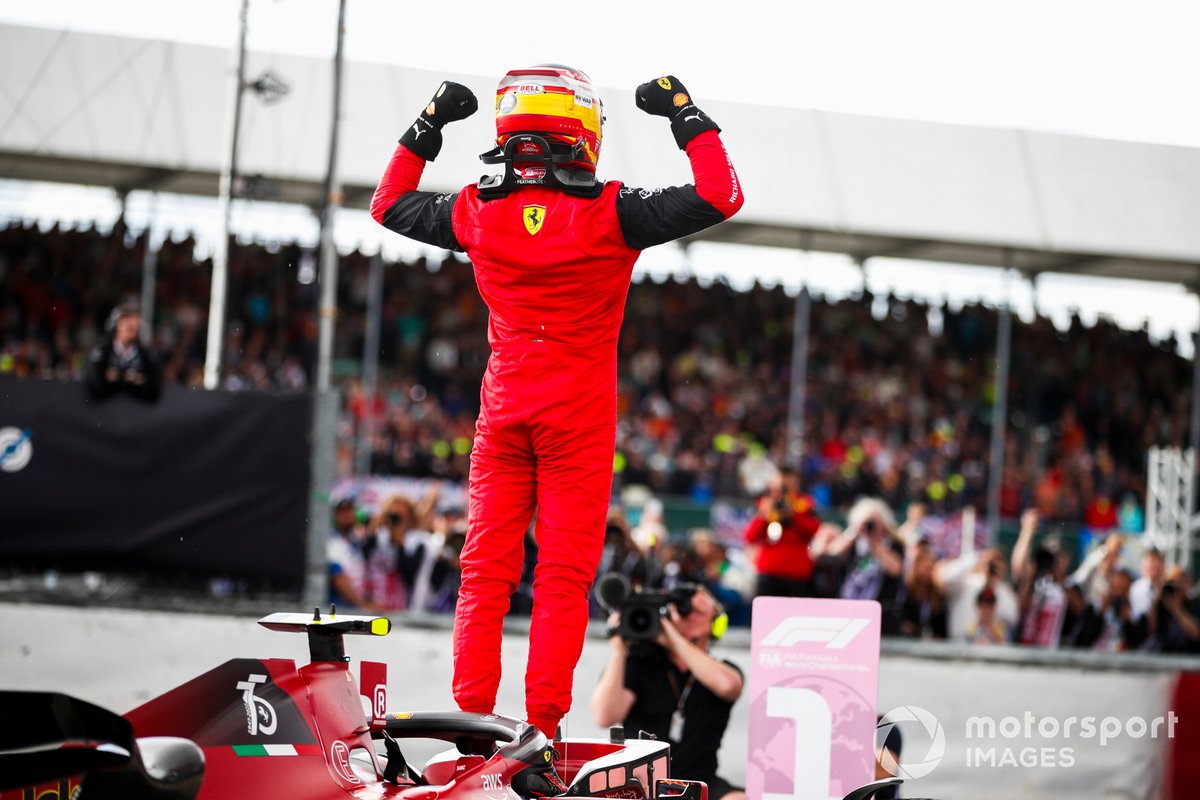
x,y
664,97
451,102
667,97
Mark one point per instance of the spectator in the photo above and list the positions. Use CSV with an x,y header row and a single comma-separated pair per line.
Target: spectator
x,y
923,611
1098,567
964,579
871,556
779,534
621,555
1082,624
986,627
121,363
675,690
1120,631
1172,625
730,583
1149,585
446,576
401,556
1039,578
347,563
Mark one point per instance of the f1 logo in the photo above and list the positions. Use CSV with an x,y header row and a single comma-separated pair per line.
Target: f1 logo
x,y
835,632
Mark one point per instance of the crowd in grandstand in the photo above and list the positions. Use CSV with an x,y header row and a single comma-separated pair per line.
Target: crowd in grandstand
x,y
898,395
930,585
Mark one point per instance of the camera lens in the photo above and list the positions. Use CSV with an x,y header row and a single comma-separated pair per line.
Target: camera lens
x,y
640,621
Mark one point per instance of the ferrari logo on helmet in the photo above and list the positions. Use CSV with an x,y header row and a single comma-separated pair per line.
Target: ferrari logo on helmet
x,y
665,83
534,217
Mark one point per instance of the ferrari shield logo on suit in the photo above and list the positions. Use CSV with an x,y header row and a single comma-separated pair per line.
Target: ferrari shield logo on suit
x,y
534,216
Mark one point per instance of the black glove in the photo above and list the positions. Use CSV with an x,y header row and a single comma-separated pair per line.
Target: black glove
x,y
667,97
452,102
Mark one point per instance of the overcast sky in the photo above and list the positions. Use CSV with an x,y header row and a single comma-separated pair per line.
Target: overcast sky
x,y
1123,70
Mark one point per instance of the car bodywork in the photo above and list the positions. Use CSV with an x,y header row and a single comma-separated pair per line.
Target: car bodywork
x,y
265,728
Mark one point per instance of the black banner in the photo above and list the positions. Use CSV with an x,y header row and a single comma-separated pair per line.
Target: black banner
x,y
204,482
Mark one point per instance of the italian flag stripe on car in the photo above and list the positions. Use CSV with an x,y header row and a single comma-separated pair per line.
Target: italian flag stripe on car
x,y
277,749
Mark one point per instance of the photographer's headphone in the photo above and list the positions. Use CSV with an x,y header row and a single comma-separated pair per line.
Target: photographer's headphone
x,y
720,622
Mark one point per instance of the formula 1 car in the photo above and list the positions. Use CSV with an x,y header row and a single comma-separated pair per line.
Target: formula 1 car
x,y
265,729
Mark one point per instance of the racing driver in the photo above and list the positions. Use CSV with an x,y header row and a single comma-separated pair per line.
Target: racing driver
x,y
553,250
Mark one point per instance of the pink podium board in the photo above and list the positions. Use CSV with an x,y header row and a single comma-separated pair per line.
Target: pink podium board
x,y
814,679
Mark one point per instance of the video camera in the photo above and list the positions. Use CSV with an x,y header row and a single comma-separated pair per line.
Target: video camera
x,y
642,611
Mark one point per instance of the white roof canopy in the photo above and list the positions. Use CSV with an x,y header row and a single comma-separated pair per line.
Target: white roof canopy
x,y
144,114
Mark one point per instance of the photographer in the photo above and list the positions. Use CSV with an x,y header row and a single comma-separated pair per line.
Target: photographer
x,y
401,556
121,363
1171,623
672,688
869,556
780,533
1121,631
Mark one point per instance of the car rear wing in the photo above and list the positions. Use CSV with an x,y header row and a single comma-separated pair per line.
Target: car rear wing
x,y
325,631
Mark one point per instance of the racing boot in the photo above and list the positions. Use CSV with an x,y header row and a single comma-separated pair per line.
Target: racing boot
x,y
541,779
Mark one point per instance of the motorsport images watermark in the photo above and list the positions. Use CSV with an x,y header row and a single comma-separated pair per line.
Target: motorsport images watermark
x,y
1026,741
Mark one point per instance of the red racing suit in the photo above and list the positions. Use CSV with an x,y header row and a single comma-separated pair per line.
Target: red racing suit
x,y
554,269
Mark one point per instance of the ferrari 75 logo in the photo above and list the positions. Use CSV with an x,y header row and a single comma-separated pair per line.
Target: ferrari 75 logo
x,y
534,217
260,714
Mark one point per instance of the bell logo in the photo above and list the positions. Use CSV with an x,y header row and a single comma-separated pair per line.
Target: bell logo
x,y
835,632
534,217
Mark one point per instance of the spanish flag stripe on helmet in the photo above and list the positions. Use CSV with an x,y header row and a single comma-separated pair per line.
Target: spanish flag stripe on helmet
x,y
552,100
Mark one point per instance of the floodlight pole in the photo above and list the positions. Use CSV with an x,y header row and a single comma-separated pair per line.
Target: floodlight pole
x,y
370,368
220,259
797,397
325,400
149,276
1000,405
328,268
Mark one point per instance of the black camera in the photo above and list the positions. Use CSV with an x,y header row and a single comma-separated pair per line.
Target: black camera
x,y
641,611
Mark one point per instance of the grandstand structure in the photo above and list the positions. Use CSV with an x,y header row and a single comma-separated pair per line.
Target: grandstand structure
x,y
135,114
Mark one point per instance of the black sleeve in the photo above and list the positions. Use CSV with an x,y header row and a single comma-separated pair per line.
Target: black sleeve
x,y
653,216
424,216
97,364
151,387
